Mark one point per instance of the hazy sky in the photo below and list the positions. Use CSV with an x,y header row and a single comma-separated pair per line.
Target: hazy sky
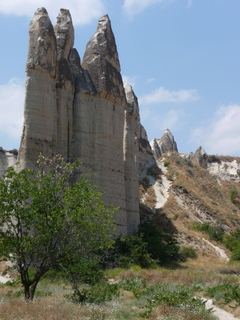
x,y
182,58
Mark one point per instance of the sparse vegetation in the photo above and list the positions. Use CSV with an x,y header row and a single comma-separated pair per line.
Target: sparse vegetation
x,y
134,293
188,253
232,242
233,194
47,221
166,163
214,231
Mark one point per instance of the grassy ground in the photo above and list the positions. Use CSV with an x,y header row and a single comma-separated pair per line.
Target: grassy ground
x,y
155,294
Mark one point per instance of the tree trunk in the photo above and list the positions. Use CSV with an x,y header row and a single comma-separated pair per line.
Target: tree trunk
x,y
32,289
27,292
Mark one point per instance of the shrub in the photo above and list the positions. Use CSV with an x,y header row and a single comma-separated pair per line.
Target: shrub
x,y
14,152
213,158
98,293
214,231
236,254
136,285
233,194
232,242
177,296
162,246
187,253
133,250
166,163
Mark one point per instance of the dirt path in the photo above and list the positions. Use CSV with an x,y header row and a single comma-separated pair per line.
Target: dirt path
x,y
221,314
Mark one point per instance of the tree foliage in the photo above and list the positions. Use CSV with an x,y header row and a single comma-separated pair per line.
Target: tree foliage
x,y
53,217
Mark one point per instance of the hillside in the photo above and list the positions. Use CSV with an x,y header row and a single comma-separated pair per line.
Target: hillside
x,y
182,196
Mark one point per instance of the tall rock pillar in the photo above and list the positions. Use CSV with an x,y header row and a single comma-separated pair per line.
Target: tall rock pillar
x,y
39,128
65,84
98,121
131,174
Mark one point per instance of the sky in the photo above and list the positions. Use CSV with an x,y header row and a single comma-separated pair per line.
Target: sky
x,y
182,58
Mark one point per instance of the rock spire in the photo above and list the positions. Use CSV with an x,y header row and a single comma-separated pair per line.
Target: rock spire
x,y
165,144
82,110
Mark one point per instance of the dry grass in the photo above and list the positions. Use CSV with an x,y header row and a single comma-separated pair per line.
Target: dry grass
x,y
203,197
150,198
229,158
204,270
50,308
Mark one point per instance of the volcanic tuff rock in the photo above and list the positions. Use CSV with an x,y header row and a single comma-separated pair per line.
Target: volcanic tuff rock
x,y
200,157
224,167
82,110
165,144
7,159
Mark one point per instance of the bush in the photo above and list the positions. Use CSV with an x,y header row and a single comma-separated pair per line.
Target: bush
x,y
98,293
236,254
14,152
175,296
187,253
87,272
233,194
213,158
162,246
166,163
149,248
215,232
136,285
232,242
133,250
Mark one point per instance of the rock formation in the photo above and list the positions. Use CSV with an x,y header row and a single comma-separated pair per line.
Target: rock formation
x,y
224,167
200,157
7,159
165,144
82,110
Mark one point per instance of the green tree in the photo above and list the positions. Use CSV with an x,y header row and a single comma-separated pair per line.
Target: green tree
x,y
161,246
48,220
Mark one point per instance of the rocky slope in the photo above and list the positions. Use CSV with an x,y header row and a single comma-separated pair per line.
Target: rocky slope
x,y
183,194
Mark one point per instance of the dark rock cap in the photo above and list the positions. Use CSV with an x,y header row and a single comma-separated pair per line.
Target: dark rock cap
x,y
165,144
102,63
42,43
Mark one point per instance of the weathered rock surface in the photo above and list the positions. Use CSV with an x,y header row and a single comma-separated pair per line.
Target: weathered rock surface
x,y
200,157
227,168
165,144
83,111
102,63
7,159
143,151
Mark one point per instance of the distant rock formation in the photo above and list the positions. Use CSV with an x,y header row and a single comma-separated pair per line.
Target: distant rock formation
x,y
83,110
225,167
200,157
7,159
165,144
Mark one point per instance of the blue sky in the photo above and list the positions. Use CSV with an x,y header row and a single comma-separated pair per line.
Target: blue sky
x,y
182,58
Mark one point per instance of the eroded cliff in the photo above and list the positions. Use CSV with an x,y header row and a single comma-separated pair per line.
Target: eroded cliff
x,y
82,110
